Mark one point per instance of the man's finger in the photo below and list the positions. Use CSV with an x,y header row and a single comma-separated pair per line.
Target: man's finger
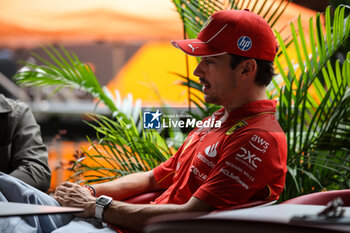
x,y
62,189
58,199
67,184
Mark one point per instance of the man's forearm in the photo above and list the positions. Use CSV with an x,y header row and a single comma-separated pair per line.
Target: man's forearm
x,y
128,186
134,216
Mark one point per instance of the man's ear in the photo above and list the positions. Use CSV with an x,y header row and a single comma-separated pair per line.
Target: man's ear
x,y
249,68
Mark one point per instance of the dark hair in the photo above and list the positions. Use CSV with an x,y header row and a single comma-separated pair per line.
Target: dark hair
x,y
265,69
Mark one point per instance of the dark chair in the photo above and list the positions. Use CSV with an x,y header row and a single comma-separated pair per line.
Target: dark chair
x,y
188,222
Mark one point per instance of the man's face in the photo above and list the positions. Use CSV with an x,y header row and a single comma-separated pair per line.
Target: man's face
x,y
219,80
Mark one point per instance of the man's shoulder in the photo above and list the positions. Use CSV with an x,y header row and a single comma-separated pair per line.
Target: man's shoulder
x,y
266,122
5,104
15,108
257,133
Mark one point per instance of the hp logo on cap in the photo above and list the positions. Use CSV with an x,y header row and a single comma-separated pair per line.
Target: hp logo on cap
x,y
244,43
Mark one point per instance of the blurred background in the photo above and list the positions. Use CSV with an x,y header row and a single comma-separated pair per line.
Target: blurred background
x,y
127,45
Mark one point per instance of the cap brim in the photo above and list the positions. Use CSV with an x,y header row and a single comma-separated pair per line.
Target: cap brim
x,y
197,48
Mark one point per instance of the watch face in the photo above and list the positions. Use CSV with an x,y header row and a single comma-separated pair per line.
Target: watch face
x,y
103,200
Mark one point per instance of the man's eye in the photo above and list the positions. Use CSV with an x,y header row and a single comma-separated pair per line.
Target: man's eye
x,y
208,61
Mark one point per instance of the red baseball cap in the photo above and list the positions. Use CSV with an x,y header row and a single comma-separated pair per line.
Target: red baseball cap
x,y
239,32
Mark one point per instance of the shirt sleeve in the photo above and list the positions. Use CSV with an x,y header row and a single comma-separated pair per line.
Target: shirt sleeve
x,y
246,167
28,150
165,172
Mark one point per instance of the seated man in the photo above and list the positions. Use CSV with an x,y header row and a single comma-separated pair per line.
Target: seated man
x,y
244,159
22,152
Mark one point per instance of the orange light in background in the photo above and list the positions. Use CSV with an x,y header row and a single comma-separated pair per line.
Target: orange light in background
x,y
148,75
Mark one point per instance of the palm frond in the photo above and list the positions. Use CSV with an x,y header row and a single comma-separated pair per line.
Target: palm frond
x,y
120,149
314,100
65,70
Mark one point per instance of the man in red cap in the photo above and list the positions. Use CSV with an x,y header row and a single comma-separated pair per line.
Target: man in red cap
x,y
242,160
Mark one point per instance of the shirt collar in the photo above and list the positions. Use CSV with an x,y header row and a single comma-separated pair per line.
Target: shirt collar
x,y
247,110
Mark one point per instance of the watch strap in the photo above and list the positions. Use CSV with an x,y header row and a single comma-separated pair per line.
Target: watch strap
x,y
99,212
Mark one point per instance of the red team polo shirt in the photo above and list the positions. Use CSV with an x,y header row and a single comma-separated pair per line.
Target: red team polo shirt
x,y
245,159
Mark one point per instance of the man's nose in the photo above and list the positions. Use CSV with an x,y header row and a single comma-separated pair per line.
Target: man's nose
x,y
198,71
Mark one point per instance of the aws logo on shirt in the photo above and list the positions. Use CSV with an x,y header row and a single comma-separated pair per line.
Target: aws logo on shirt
x,y
259,143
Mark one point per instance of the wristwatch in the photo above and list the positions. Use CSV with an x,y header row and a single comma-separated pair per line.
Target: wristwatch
x,y
102,203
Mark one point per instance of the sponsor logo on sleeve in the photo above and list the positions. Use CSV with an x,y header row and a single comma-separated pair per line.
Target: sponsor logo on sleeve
x,y
240,170
234,177
197,173
205,160
211,150
259,143
249,157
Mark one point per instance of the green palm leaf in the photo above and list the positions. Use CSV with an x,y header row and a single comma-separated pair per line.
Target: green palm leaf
x,y
314,103
65,70
120,149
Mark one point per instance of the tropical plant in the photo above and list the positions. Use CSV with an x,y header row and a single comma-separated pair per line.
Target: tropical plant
x,y
314,105
120,150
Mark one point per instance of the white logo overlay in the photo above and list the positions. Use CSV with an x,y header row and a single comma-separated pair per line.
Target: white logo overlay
x,y
211,150
156,120
244,43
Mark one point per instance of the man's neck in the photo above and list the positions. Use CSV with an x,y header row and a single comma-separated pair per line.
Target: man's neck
x,y
258,94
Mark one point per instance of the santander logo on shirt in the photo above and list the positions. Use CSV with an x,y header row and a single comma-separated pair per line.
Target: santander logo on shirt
x,y
211,150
